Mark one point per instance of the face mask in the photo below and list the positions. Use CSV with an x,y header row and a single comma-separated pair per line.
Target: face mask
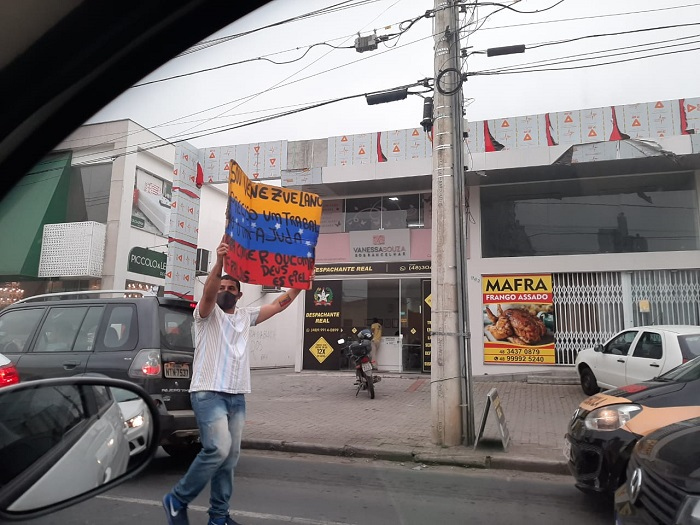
x,y
226,300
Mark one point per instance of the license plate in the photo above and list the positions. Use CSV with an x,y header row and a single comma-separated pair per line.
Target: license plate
x,y
366,367
177,370
567,449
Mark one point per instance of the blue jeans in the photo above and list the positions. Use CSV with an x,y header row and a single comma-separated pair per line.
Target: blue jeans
x,y
220,417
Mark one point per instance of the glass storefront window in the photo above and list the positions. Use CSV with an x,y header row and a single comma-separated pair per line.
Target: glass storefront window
x,y
411,325
363,300
376,213
641,213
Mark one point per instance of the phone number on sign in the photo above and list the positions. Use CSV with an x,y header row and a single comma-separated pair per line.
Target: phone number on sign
x,y
520,351
525,359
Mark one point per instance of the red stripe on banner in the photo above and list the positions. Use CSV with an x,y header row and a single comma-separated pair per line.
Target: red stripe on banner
x,y
188,297
184,243
268,268
186,192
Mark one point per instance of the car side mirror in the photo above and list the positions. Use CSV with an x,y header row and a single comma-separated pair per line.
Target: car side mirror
x,y
65,440
598,348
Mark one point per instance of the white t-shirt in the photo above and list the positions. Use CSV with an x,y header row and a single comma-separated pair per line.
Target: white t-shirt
x,y
221,357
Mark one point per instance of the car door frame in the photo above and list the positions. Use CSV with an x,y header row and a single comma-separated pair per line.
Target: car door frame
x,y
610,368
637,365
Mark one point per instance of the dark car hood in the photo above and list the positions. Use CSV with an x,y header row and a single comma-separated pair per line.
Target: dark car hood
x,y
646,393
673,453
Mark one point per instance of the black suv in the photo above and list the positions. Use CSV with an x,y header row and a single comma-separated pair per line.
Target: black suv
x,y
147,340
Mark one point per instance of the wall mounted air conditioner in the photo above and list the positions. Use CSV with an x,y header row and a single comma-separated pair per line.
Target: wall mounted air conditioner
x,y
202,263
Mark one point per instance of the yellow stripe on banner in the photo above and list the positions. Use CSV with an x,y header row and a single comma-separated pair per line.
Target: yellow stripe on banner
x,y
520,359
259,197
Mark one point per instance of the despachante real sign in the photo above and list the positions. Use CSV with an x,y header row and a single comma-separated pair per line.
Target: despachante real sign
x,y
147,262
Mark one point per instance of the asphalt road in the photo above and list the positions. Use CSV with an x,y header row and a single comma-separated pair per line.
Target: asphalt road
x,y
275,488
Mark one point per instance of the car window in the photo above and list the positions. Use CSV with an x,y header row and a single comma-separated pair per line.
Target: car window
x,y
690,346
103,397
176,327
121,332
16,328
689,371
59,331
621,344
85,341
35,424
649,346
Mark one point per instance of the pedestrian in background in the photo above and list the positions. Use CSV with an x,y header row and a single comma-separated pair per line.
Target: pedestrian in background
x,y
376,328
220,380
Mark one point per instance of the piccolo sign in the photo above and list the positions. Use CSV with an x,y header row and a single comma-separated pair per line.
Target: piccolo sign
x,y
518,319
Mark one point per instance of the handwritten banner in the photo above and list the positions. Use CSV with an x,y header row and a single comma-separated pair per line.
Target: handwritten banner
x,y
271,232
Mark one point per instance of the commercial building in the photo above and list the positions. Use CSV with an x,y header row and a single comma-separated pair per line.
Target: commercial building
x,y
580,223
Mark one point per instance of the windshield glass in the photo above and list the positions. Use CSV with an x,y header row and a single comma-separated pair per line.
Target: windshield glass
x,y
686,372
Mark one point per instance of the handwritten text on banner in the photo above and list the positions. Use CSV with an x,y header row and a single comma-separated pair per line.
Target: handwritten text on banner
x,y
271,232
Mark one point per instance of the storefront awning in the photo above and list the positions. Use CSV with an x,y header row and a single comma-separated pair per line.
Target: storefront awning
x,y
39,198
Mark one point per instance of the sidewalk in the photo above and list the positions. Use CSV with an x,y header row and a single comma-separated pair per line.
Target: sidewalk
x,y
317,412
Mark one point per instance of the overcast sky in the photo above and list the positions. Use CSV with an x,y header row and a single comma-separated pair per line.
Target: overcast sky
x,y
189,101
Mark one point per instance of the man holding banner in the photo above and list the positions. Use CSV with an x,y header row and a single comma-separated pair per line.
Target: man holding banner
x,y
220,380
270,238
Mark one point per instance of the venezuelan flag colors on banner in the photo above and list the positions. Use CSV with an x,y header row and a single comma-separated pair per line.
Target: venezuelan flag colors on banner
x,y
271,232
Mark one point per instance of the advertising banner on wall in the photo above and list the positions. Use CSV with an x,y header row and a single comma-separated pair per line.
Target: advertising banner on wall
x,y
322,326
380,245
152,203
271,232
518,319
147,262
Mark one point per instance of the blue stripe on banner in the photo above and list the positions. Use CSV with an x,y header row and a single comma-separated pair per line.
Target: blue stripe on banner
x,y
271,232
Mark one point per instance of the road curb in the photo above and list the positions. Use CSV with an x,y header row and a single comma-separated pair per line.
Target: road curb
x,y
475,460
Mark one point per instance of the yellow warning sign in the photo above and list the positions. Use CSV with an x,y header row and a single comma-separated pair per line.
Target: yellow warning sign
x,y
321,349
568,119
592,133
362,151
396,149
527,137
636,123
505,124
429,300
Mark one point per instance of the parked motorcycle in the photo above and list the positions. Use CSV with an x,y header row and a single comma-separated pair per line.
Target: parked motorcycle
x,y
359,352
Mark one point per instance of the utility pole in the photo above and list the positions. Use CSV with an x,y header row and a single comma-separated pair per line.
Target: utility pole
x,y
451,392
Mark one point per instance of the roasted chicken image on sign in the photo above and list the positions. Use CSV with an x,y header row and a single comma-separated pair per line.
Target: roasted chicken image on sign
x,y
516,325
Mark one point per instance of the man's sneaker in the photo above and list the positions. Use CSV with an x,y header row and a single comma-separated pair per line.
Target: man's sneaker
x,y
224,520
175,511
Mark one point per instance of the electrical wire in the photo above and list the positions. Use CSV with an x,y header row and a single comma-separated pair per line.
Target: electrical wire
x,y
535,70
600,35
561,60
319,12
385,38
592,17
146,146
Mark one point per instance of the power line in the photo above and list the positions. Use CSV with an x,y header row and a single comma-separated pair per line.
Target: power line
x,y
250,97
600,35
478,73
592,17
319,12
146,146
561,60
